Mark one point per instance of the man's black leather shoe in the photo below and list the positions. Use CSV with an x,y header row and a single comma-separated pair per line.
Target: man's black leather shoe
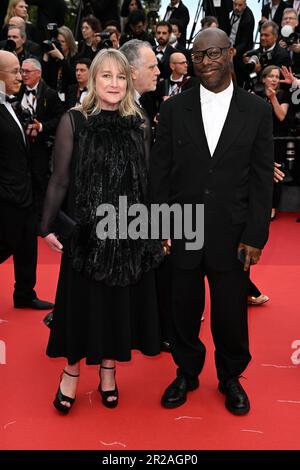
x,y
35,304
236,401
48,319
166,346
176,393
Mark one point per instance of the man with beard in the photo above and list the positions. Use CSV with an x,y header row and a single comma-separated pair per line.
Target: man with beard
x,y
214,147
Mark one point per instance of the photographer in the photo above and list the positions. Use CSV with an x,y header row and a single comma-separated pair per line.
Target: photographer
x,y
137,29
289,37
59,59
41,110
269,51
90,30
17,43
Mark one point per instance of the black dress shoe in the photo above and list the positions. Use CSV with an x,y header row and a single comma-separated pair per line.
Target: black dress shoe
x,y
236,401
166,345
176,393
48,319
35,304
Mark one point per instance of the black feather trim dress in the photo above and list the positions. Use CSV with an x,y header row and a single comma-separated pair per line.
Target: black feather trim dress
x,y
106,302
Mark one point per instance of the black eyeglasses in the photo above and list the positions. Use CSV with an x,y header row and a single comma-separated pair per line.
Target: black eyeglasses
x,y
213,53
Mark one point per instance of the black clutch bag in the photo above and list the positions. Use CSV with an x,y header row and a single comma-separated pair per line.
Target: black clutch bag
x,y
64,226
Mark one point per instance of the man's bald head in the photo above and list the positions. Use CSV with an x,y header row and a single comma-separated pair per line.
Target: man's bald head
x,y
7,59
212,57
10,72
17,21
210,37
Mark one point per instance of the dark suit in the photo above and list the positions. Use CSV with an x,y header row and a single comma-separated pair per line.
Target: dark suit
x,y
243,43
164,61
181,14
48,111
235,186
221,13
49,12
18,220
277,18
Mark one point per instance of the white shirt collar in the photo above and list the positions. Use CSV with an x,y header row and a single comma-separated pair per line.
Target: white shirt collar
x,y
207,96
137,96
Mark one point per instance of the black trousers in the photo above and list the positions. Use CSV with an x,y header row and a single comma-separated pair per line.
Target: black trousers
x,y
18,238
229,327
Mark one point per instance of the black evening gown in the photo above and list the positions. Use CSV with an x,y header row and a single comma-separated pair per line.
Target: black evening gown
x,y
91,319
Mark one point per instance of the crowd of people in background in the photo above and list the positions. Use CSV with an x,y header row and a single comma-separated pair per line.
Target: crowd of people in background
x,y
56,65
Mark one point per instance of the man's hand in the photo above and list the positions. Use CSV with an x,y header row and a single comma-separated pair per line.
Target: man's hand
x,y
167,247
53,243
252,255
278,174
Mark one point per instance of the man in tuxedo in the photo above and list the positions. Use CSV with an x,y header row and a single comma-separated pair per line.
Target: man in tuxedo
x,y
214,147
177,10
44,110
273,11
163,50
221,10
77,92
17,214
241,36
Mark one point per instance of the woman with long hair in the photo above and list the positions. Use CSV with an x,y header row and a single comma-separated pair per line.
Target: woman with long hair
x,y
106,297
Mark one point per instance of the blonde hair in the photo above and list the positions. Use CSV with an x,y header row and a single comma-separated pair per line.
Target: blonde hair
x,y
11,10
90,104
70,40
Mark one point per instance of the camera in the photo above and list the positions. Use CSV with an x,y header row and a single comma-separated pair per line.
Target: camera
x,y
288,35
257,57
10,45
52,33
105,42
255,85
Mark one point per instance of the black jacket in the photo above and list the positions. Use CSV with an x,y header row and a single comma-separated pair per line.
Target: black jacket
x,y
181,14
235,184
244,35
15,170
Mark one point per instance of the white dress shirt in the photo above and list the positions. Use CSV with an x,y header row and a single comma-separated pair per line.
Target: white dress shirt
x,y
29,101
214,107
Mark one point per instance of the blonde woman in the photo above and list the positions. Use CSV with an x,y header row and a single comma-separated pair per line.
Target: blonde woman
x,y
106,301
19,9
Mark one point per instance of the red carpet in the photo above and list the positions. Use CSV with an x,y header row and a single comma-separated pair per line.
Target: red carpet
x,y
29,379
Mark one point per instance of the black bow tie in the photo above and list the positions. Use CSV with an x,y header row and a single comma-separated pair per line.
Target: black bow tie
x,y
27,92
170,8
172,83
11,99
82,90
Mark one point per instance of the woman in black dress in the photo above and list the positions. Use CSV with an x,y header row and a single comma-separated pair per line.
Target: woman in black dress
x,y
106,299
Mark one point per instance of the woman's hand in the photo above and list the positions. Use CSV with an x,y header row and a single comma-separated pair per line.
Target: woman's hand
x,y
53,243
270,93
288,76
55,53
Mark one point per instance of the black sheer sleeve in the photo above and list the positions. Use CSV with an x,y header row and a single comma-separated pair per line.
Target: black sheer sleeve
x,y
59,181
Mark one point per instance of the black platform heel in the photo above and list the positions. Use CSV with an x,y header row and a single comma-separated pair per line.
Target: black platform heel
x,y
109,393
59,397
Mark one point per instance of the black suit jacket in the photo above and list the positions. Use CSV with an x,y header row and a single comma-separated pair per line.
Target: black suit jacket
x,y
279,12
164,63
235,184
49,12
49,109
181,14
222,13
15,171
244,35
